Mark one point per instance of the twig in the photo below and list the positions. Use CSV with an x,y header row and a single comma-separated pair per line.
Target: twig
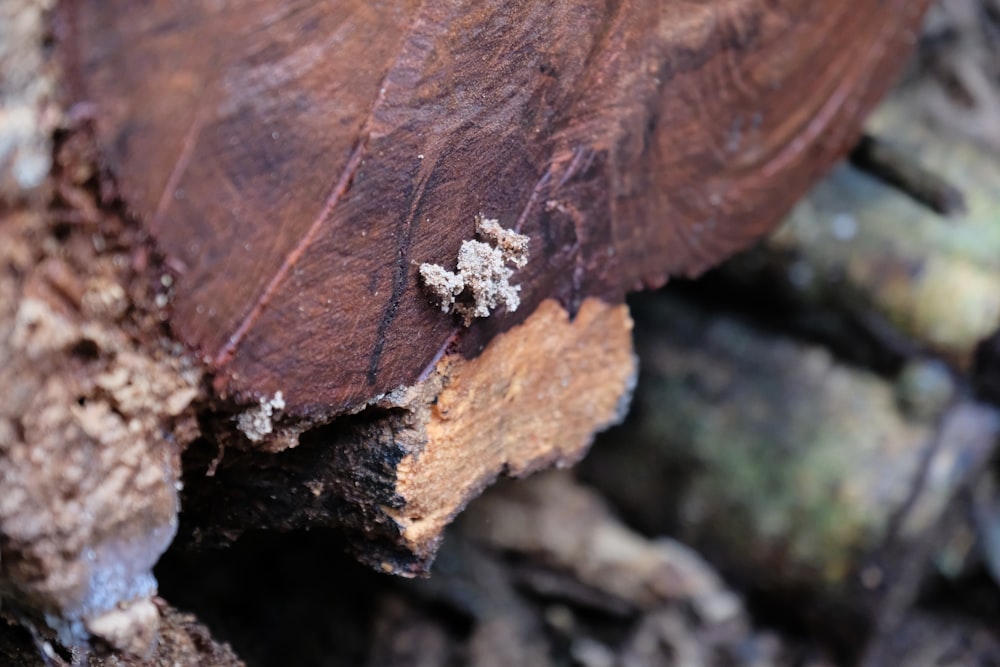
x,y
901,171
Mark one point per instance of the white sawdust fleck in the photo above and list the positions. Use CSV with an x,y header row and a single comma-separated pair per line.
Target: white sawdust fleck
x,y
257,422
482,280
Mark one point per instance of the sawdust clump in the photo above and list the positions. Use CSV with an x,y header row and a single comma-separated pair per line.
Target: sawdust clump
x,y
257,422
482,281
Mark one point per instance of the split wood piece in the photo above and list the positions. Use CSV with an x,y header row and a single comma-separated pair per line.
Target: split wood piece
x,y
396,474
297,161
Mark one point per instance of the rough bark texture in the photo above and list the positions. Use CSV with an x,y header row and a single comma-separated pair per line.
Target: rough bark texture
x,y
91,429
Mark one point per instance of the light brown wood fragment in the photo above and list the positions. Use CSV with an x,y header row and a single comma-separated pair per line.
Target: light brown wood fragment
x,y
533,398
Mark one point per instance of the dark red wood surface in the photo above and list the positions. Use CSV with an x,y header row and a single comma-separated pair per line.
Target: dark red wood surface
x,y
298,159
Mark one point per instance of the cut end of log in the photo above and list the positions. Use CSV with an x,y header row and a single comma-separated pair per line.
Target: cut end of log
x,y
630,143
532,399
288,191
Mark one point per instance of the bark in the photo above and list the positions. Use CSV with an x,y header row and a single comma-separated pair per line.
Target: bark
x,y
95,413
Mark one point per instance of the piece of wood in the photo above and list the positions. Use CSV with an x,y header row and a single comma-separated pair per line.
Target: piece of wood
x,y
298,161
899,170
568,527
302,165
396,475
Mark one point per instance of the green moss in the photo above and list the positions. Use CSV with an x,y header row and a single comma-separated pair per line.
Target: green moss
x,y
792,453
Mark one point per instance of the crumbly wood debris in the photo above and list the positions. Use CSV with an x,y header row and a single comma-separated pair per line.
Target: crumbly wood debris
x,y
256,423
482,281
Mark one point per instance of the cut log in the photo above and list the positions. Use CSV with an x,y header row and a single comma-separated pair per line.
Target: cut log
x,y
300,165
298,161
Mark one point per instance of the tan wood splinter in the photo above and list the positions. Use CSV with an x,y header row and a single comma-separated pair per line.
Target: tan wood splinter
x,y
534,397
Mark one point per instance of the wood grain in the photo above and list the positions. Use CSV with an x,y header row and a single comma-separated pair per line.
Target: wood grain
x,y
298,160
392,477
